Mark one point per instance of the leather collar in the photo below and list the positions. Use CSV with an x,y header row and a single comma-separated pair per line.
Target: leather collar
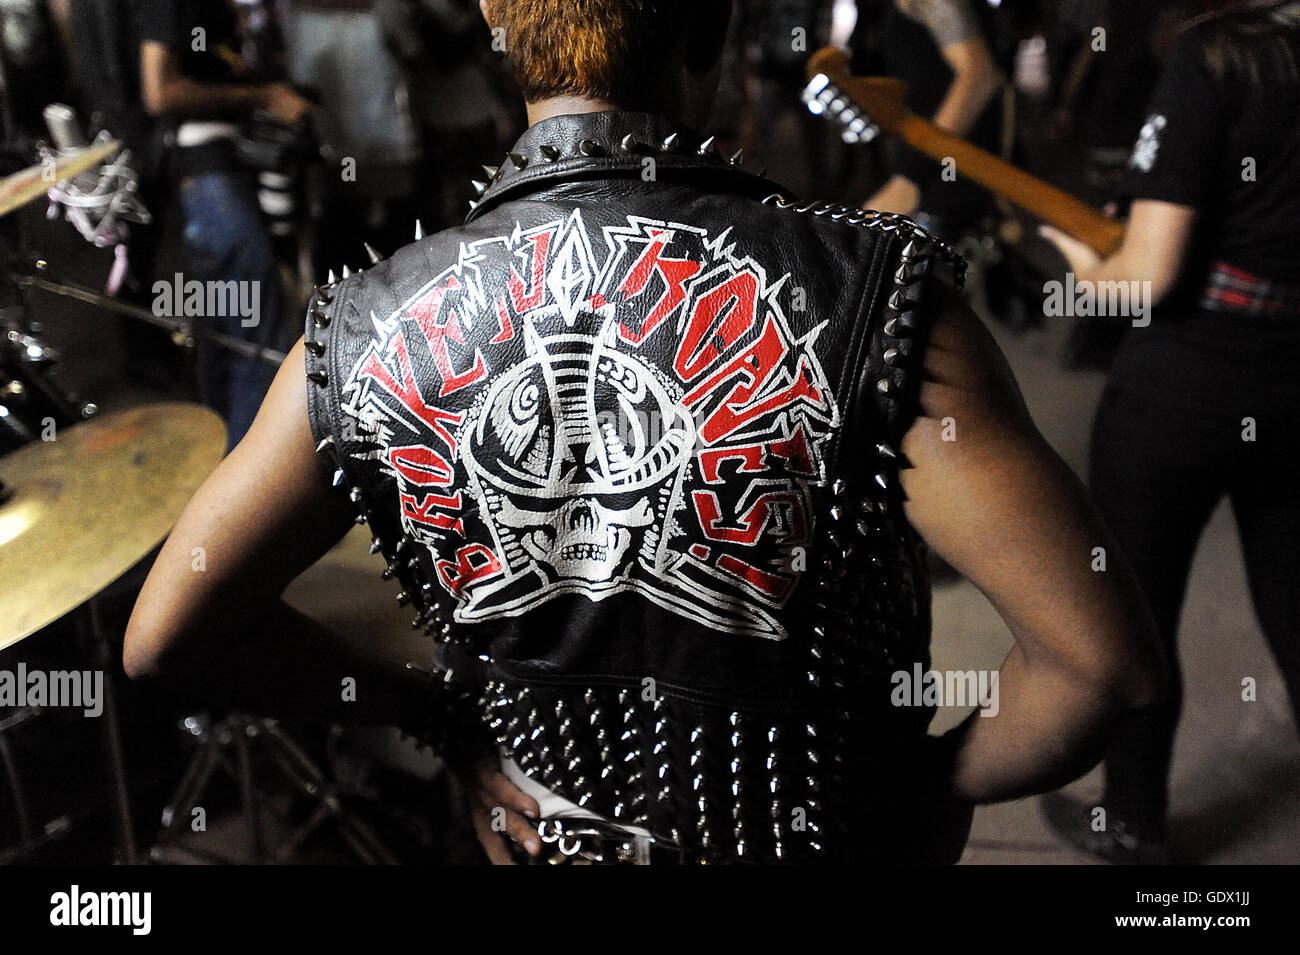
x,y
610,144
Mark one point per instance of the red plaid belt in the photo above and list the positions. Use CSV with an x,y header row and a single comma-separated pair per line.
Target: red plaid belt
x,y
1230,289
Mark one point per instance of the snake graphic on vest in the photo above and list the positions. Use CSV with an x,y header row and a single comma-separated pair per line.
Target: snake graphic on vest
x,y
628,444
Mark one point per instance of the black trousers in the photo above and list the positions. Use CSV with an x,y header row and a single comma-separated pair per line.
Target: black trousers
x,y
1172,437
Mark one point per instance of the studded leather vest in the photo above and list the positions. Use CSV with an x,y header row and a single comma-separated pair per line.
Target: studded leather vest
x,y
627,441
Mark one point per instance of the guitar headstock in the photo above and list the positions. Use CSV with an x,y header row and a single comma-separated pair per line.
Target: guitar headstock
x,y
865,105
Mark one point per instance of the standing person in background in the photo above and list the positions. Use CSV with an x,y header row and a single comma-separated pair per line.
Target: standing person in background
x,y
104,50
192,77
785,33
445,61
939,48
1205,401
370,188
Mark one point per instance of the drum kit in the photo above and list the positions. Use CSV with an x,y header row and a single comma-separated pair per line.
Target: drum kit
x,y
84,498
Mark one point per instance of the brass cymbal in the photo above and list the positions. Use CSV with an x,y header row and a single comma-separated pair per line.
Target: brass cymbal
x,y
28,185
81,510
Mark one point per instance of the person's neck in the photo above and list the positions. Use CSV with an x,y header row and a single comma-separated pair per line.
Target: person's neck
x,y
565,106
570,105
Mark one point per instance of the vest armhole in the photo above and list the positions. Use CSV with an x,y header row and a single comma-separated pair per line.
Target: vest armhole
x,y
319,332
925,279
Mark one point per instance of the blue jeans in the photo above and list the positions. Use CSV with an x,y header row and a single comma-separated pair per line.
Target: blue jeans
x,y
226,240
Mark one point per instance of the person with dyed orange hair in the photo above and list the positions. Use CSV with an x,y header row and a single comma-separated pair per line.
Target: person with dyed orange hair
x,y
650,446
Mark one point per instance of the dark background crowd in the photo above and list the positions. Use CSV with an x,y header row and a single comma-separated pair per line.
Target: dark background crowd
x,y
271,138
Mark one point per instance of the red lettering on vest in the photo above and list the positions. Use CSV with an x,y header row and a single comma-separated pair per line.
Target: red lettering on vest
x,y
730,307
794,451
473,562
422,512
420,465
675,274
757,458
754,521
407,392
750,457
774,585
503,318
424,312
753,366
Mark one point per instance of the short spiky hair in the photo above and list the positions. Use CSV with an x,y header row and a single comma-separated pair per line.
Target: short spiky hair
x,y
613,50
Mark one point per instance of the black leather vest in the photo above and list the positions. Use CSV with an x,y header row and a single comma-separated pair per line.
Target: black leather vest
x,y
627,440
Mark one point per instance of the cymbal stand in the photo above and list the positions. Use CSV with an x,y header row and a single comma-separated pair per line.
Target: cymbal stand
x,y
229,745
105,659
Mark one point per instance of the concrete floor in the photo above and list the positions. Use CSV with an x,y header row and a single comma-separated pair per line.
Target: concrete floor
x,y
1236,769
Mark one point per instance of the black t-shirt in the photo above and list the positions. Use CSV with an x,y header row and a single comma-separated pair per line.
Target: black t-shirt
x,y
106,35
204,35
1229,148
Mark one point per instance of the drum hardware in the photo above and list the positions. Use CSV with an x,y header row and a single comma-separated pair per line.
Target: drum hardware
x,y
8,723
228,745
147,463
182,331
29,399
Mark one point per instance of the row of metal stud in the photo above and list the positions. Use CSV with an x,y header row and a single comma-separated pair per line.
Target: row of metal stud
x,y
600,754
452,708
831,673
629,145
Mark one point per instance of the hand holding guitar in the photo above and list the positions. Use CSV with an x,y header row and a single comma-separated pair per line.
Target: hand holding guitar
x,y
861,101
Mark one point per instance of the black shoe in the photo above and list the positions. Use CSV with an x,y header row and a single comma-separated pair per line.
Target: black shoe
x,y
1120,842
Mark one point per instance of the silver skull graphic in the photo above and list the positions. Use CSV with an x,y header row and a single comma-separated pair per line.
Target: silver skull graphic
x,y
578,452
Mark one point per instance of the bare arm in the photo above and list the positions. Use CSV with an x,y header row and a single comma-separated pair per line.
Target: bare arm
x,y
1005,511
1153,250
975,81
222,633
166,91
